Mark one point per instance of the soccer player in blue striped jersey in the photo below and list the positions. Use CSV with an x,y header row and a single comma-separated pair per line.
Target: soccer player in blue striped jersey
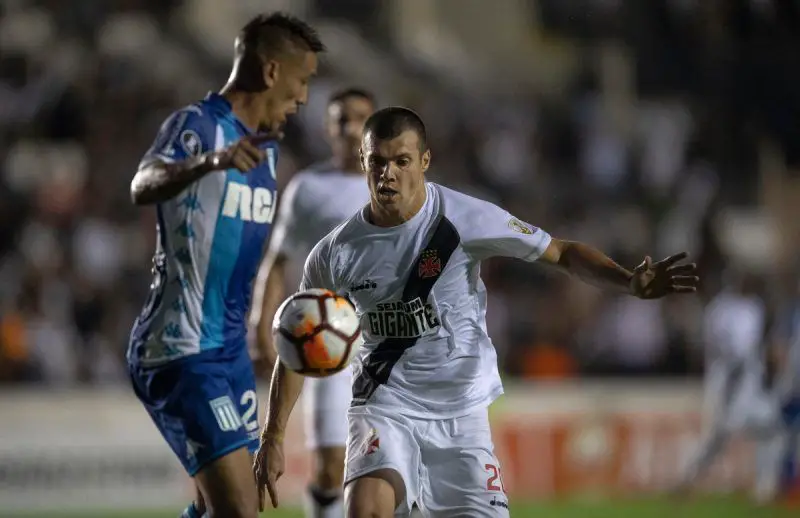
x,y
211,175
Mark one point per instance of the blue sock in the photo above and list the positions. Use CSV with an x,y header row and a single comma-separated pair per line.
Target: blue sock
x,y
190,512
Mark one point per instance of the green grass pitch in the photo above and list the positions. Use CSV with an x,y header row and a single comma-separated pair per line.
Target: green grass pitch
x,y
651,508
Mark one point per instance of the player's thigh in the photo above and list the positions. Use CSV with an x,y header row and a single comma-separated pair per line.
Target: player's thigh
x,y
326,401
376,495
461,475
228,486
196,410
382,463
242,380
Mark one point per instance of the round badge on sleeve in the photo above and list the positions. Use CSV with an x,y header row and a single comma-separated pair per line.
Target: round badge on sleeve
x,y
518,226
190,142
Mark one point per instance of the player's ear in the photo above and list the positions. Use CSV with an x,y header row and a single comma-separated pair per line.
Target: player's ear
x,y
426,160
271,72
361,159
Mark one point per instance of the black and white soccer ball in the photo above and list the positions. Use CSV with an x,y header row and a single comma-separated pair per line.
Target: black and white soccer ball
x,y
316,333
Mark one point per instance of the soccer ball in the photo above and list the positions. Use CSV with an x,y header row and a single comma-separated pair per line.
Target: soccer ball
x,y
316,333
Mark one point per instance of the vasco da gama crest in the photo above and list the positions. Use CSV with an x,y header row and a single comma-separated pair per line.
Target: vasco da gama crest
x,y
429,264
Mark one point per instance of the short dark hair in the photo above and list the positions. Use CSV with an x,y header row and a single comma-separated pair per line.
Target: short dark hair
x,y
389,123
351,93
270,34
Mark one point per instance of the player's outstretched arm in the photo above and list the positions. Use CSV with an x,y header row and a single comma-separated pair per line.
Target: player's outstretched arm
x,y
487,230
284,391
158,180
269,462
649,280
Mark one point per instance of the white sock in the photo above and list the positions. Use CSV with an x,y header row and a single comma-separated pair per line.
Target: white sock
x,y
769,451
322,503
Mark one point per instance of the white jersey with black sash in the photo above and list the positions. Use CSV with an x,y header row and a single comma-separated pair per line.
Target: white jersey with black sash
x,y
422,304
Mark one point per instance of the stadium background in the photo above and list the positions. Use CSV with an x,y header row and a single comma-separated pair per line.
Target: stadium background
x,y
639,127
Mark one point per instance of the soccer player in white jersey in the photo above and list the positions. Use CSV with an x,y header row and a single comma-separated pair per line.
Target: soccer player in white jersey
x,y
737,399
423,381
316,201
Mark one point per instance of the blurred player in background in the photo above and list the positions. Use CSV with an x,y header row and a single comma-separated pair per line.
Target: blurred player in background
x,y
317,200
211,175
787,390
737,398
410,262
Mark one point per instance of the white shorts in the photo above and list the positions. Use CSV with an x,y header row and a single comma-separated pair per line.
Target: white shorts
x,y
326,401
448,465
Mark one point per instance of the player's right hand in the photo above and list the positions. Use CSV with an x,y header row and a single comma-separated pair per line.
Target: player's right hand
x,y
244,154
268,466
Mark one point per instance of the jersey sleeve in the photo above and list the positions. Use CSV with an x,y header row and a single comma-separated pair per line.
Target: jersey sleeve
x,y
287,236
317,270
186,133
489,231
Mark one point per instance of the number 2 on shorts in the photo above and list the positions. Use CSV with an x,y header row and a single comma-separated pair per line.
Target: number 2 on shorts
x,y
494,478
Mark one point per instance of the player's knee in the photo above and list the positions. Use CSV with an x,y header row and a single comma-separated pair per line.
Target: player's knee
x,y
234,508
367,508
373,496
330,469
228,486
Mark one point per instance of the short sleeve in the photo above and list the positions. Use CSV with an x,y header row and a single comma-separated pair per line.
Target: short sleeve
x,y
317,271
186,133
287,236
489,231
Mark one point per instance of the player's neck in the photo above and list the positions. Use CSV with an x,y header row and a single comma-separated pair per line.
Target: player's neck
x,y
381,216
244,106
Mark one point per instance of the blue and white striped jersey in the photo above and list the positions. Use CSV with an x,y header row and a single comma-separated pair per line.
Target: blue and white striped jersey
x,y
210,241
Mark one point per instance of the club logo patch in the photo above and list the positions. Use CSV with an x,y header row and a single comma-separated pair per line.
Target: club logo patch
x,y
429,264
518,226
190,142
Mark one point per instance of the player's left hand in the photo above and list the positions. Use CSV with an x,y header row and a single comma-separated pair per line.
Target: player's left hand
x,y
655,280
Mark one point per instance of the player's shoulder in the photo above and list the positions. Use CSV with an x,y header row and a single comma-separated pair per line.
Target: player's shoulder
x,y
193,125
303,189
460,208
454,201
342,235
317,184
349,229
305,178
198,113
328,247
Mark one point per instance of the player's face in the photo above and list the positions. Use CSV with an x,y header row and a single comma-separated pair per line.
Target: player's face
x,y
345,124
395,169
287,80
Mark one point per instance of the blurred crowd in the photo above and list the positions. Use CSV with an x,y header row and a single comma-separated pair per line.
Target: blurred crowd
x,y
634,126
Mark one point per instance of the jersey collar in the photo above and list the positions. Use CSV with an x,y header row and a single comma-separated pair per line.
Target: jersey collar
x,y
221,105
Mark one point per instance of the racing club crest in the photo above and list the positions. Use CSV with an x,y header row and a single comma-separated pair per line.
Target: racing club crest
x,y
429,264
